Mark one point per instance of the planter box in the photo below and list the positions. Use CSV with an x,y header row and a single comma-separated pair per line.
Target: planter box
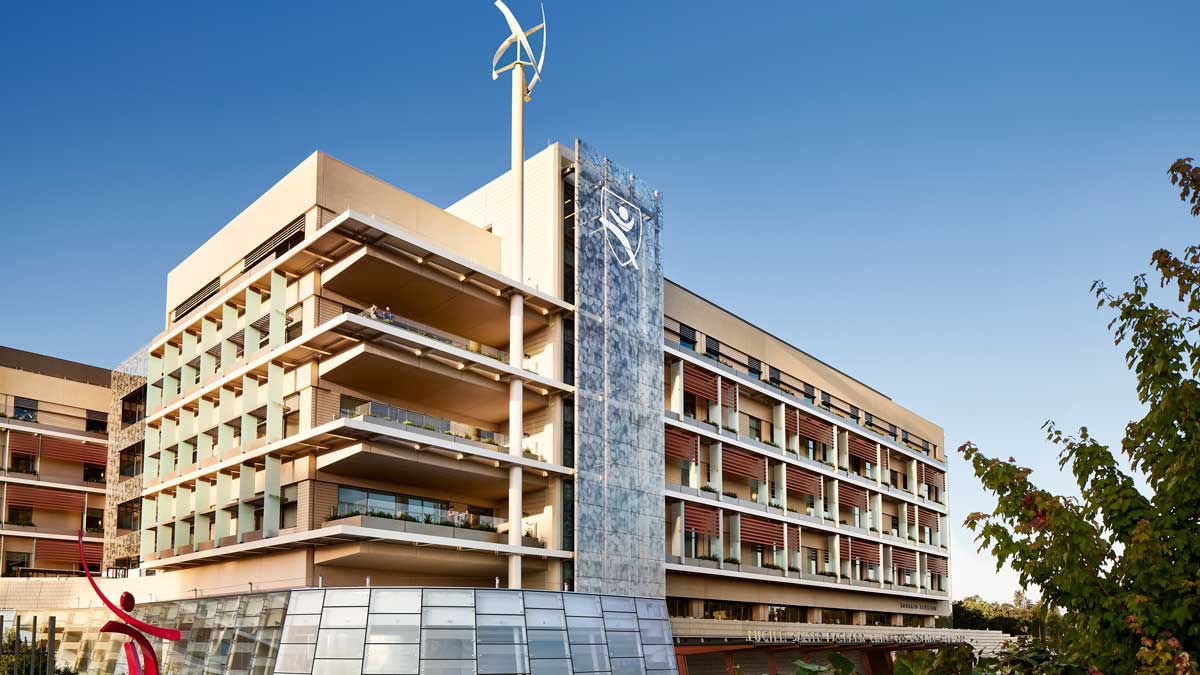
x,y
204,546
775,509
252,536
476,535
228,541
431,530
183,550
754,569
689,490
699,562
673,559
532,542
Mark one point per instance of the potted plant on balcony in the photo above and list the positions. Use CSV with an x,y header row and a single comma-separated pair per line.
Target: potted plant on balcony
x,y
430,527
776,508
708,488
707,560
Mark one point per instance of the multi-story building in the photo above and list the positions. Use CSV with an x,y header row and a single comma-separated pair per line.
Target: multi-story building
x,y
53,448
357,388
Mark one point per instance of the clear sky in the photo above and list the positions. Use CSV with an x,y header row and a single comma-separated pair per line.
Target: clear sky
x,y
918,193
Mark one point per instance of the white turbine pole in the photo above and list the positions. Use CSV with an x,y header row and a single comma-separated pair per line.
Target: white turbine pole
x,y
516,269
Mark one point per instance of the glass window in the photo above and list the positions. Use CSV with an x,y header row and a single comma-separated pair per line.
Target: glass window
x,y
498,602
655,632
545,618
21,463
787,613
543,600
448,667
301,628
341,643
306,602
352,499
394,628
589,658
449,597
20,515
550,666
129,515
659,656
451,643
337,667
620,621
25,411
396,600
93,473
448,616
624,644
347,597
585,630
613,603
131,460
503,659
96,422
648,608
13,562
344,617
582,605
628,666
294,658
548,644
500,629
398,659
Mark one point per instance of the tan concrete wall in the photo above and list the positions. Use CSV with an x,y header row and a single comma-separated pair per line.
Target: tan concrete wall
x,y
491,206
342,187
270,571
708,318
287,199
53,390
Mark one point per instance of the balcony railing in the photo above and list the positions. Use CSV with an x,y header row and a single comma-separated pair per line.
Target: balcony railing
x,y
418,420
416,514
434,334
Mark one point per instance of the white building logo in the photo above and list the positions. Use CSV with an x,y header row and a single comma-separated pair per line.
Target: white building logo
x,y
622,221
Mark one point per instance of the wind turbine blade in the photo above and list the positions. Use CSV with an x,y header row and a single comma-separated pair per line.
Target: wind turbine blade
x,y
500,52
537,71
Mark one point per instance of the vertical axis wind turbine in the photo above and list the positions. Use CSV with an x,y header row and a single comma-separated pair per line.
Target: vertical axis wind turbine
x,y
515,266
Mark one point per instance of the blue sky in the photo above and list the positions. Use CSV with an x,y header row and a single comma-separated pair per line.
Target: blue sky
x,y
919,194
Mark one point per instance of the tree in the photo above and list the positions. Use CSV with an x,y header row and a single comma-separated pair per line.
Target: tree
x,y
1123,563
19,665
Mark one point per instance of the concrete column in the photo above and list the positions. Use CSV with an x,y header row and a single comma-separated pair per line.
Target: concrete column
x,y
225,413
170,363
896,619
272,497
716,413
208,337
879,450
675,386
223,527
188,373
814,615
834,546
187,430
148,525
735,536
202,499
779,427
249,402
943,532
245,522
843,449
675,518
204,442
150,446
277,306
252,336
780,478
274,402
183,506
912,477
720,537
516,324
714,460
165,508
859,617
166,462
229,321
877,512
834,505
902,516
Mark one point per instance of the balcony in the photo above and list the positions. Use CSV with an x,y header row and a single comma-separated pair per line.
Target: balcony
x,y
411,326
431,522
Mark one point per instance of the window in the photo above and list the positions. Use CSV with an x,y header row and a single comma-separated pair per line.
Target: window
x,y
13,562
97,422
755,427
774,376
287,515
678,607
22,463
877,619
787,613
131,460
712,347
94,521
810,393
569,350
25,409
129,515
838,617
93,473
20,515
754,366
133,407
689,404
687,337
727,611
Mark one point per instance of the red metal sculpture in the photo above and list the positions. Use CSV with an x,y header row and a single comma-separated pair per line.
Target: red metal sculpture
x,y
147,664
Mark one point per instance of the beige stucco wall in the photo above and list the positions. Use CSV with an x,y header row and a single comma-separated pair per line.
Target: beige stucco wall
x,y
54,390
334,185
717,588
681,304
491,206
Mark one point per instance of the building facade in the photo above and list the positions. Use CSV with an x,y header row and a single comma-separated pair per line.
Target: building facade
x,y
355,388
54,447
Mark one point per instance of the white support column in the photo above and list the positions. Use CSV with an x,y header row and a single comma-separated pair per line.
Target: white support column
x,y
245,522
223,528
249,403
877,512
274,402
843,449
779,427
834,542
716,413
902,511
208,336
183,506
879,450
735,537
835,511
252,337
516,324
202,499
272,497
714,461
780,478
675,383
229,321
277,305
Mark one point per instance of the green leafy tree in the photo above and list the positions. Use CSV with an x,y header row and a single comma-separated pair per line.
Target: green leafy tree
x,y
20,665
1122,562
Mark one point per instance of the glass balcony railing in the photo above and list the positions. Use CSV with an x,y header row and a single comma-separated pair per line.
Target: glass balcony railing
x,y
435,334
418,514
418,420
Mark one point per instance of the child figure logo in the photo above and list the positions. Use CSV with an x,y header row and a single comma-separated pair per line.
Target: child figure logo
x,y
147,663
622,221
